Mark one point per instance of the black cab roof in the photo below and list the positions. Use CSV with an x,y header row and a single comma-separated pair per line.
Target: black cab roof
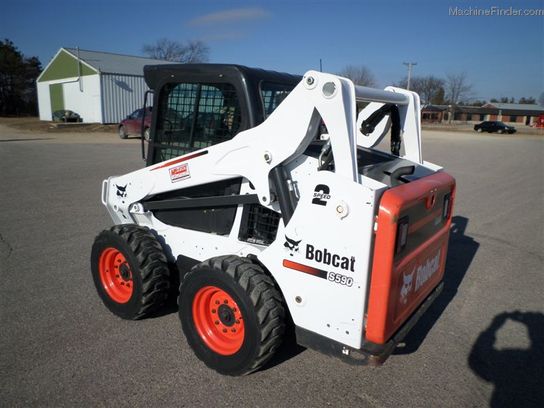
x,y
156,75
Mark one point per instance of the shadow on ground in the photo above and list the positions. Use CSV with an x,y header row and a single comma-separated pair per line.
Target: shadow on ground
x,y
461,252
516,373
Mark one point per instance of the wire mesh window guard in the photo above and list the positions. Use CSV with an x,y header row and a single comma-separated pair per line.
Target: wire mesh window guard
x,y
194,116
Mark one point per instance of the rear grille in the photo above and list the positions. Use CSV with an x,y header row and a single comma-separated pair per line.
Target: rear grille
x,y
259,225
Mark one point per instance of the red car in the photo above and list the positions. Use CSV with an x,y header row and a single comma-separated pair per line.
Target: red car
x,y
132,124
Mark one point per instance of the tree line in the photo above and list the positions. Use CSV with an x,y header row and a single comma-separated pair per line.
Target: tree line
x,y
453,89
18,74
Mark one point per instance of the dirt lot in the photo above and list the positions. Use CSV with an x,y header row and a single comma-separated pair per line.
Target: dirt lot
x,y
481,344
33,124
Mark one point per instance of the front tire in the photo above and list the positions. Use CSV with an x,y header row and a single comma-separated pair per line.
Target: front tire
x,y
122,132
130,271
479,130
232,314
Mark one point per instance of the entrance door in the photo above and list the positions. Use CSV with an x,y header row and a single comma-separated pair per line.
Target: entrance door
x,y
57,97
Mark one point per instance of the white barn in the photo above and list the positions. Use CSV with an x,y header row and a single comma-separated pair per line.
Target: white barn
x,y
101,87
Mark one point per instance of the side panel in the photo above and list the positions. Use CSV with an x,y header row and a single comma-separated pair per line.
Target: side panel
x,y
121,95
321,259
404,272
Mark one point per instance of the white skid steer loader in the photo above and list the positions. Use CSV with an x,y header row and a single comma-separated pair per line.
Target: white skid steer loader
x,y
266,197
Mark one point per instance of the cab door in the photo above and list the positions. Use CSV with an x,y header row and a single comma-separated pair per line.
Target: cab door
x,y
192,116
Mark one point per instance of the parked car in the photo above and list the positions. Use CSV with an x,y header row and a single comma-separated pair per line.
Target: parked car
x,y
66,116
132,124
494,126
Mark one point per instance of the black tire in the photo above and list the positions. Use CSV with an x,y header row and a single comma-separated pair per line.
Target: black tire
x,y
148,272
260,304
122,132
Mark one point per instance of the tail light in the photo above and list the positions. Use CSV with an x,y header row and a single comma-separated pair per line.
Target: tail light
x,y
402,234
446,206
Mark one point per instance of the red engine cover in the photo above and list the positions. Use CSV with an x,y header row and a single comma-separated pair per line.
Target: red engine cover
x,y
403,277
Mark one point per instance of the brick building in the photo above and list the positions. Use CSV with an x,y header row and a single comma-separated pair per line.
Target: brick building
x,y
513,113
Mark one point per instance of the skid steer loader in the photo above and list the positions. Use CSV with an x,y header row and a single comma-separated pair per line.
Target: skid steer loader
x,y
269,198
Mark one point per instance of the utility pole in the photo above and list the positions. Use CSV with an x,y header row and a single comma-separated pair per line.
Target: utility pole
x,y
320,65
409,65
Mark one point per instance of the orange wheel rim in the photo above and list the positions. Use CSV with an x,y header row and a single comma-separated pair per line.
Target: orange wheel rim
x,y
115,275
218,320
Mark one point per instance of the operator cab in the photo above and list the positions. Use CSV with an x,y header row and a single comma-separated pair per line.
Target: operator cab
x,y
200,105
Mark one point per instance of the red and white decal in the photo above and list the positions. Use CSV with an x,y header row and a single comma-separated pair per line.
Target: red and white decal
x,y
422,273
320,273
180,172
180,159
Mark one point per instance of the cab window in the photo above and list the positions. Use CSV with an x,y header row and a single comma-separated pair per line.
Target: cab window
x,y
194,116
272,95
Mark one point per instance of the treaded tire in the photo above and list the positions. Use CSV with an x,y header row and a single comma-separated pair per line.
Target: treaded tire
x,y
148,268
260,305
122,132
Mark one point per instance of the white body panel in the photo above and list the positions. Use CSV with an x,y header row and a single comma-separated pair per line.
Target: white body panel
x,y
343,226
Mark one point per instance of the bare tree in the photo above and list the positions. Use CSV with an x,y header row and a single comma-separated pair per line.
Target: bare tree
x,y
457,87
429,88
530,100
169,50
360,75
196,51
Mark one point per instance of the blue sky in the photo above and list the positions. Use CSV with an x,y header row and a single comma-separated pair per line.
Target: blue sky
x,y
502,55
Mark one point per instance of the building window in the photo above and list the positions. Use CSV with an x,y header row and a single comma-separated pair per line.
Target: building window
x,y
513,118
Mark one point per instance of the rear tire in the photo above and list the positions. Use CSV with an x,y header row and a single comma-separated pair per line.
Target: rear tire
x,y
130,271
232,314
122,132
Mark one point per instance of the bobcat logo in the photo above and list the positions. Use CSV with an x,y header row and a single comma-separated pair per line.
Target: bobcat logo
x,y
291,245
121,191
406,286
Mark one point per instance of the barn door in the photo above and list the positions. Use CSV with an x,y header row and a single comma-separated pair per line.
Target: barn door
x,y
57,97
